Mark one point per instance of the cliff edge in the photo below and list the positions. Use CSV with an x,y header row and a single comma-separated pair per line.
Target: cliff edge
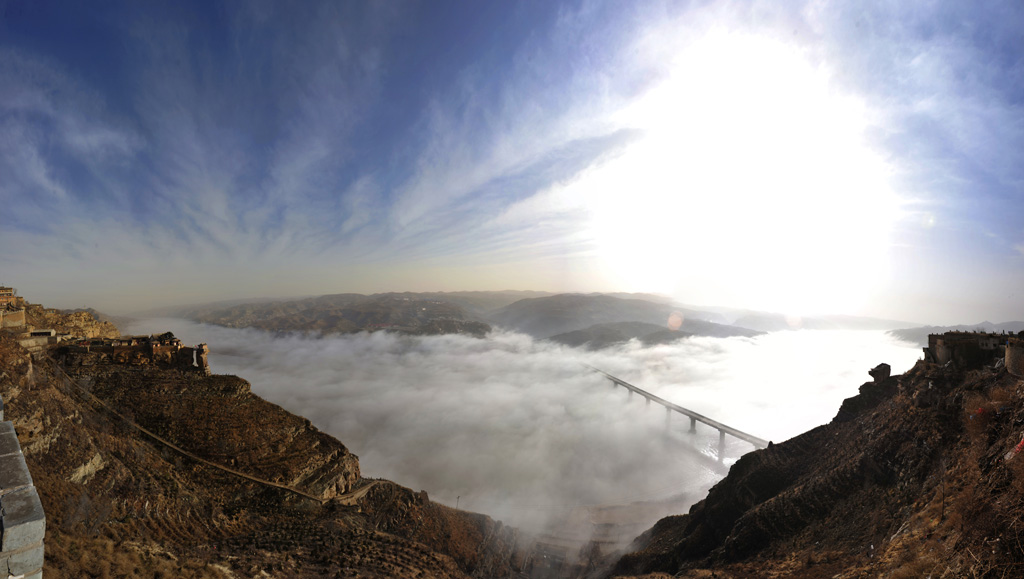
x,y
918,475
159,470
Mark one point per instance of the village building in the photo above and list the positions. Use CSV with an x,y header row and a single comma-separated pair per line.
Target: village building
x,y
966,349
161,350
9,296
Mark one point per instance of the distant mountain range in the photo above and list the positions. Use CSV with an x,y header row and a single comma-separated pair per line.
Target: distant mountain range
x,y
474,303
919,335
604,335
350,313
549,316
595,320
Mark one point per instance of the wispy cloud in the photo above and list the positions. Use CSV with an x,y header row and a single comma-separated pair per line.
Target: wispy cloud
x,y
351,137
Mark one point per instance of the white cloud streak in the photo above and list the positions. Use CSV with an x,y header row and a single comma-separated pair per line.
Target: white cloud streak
x,y
226,163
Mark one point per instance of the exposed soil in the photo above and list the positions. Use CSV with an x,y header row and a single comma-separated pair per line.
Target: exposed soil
x,y
121,504
911,479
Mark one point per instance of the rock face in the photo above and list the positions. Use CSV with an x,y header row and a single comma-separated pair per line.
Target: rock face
x,y
121,503
891,487
80,323
216,418
880,372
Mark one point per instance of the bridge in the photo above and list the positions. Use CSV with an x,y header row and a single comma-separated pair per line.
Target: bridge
x,y
694,417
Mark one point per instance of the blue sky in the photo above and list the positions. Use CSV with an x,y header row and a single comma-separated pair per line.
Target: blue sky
x,y
851,157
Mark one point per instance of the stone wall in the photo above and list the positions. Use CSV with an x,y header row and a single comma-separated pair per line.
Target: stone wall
x,y
36,344
12,318
1015,357
965,349
22,521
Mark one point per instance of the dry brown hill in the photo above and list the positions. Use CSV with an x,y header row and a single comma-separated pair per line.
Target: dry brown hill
x,y
911,479
350,313
148,471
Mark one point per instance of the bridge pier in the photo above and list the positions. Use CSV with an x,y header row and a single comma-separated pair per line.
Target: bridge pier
x,y
693,416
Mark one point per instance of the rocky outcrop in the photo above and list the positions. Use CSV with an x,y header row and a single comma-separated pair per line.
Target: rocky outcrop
x,y
121,503
217,418
889,488
82,324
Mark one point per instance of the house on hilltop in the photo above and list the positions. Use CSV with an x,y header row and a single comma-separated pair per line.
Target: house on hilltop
x,y
164,350
12,310
968,349
8,295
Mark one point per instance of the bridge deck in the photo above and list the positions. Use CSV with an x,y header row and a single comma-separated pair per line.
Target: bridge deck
x,y
758,442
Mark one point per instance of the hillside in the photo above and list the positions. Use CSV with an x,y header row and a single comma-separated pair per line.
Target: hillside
x,y
604,335
148,470
476,304
919,335
553,315
912,478
349,313
85,323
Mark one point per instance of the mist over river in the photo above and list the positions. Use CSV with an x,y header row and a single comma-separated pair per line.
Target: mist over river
x,y
519,428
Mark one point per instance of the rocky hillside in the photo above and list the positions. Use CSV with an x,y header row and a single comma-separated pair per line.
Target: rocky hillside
x,y
549,316
915,477
82,323
604,335
155,472
349,313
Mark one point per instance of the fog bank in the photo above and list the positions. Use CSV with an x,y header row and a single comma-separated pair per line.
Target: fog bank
x,y
520,429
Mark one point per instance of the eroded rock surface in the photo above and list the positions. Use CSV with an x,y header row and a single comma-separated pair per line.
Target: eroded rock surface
x,y
892,487
119,503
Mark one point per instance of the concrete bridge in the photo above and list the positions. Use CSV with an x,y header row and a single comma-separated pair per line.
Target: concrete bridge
x,y
694,417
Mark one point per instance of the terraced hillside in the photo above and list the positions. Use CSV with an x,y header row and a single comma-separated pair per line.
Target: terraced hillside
x,y
136,468
917,476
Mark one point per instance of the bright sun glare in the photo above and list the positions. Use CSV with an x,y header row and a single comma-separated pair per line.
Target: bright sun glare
x,y
754,180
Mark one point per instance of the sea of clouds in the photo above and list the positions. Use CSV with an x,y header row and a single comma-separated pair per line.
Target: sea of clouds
x,y
520,429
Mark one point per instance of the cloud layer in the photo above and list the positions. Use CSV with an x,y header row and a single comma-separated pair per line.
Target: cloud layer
x,y
519,429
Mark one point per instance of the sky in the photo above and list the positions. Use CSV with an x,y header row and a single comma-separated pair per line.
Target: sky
x,y
858,157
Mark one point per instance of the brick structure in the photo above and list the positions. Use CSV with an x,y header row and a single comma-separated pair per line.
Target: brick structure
x,y
965,349
11,317
8,297
162,350
1015,356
